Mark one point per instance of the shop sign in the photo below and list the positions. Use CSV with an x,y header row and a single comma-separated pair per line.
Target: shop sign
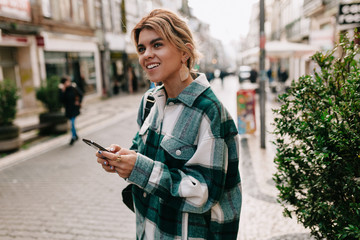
x,y
40,42
14,40
18,9
349,13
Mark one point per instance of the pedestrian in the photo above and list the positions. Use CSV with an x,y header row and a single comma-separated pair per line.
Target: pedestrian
x,y
270,75
71,97
153,85
133,82
283,75
253,75
116,87
183,163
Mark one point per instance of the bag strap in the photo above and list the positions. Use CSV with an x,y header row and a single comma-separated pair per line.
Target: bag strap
x,y
150,101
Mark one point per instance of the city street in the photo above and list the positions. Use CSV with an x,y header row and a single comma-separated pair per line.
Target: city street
x,y
57,191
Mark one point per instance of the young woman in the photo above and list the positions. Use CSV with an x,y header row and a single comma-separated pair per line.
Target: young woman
x,y
184,159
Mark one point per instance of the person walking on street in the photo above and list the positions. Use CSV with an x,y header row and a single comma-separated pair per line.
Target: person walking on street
x,y
183,163
283,76
133,82
71,97
253,75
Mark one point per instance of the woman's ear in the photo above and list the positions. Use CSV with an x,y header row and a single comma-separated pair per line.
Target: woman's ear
x,y
186,56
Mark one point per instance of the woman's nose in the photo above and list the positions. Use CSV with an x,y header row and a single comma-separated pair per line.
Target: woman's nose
x,y
148,53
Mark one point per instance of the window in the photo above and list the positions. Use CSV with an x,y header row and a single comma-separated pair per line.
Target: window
x,y
65,10
46,8
123,16
117,16
107,15
80,11
98,15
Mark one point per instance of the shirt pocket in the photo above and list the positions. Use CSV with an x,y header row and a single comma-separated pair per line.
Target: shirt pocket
x,y
177,149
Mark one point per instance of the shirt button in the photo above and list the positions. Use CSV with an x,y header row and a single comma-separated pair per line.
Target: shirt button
x,y
144,194
171,103
178,152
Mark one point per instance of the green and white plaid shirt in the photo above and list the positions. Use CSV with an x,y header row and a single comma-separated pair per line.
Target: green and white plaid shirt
x,y
187,182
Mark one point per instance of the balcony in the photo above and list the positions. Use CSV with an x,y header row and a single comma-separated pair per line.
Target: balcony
x,y
298,29
312,7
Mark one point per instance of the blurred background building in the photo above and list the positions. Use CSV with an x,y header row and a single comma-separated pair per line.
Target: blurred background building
x,y
90,40
295,30
86,39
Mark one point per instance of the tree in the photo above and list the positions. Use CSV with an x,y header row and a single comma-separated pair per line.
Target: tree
x,y
317,132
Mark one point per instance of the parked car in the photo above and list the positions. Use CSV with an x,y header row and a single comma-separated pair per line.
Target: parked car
x,y
244,73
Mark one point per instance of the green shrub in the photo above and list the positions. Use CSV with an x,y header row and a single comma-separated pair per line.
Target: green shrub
x,y
8,100
317,132
48,94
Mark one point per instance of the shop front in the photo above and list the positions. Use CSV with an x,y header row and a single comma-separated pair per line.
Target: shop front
x,y
18,60
80,66
126,74
75,56
141,80
117,74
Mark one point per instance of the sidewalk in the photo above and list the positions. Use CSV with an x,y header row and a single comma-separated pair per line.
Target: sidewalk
x,y
261,214
96,113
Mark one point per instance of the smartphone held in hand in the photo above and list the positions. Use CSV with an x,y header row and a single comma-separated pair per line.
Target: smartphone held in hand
x,y
94,145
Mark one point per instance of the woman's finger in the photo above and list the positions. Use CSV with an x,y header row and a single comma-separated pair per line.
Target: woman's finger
x,y
114,148
109,168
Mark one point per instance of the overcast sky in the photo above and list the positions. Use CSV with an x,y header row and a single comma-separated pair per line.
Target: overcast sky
x,y
228,19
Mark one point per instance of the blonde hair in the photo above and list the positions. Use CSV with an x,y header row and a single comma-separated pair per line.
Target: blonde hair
x,y
171,28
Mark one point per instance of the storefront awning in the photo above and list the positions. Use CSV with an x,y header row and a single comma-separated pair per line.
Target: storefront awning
x,y
288,49
282,49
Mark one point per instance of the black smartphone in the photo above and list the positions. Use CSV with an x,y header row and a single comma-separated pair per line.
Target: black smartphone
x,y
94,145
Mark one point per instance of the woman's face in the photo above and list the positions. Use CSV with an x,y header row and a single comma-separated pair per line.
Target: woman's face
x,y
160,59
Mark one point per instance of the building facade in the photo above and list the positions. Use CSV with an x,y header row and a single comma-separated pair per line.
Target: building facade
x,y
89,40
43,38
300,28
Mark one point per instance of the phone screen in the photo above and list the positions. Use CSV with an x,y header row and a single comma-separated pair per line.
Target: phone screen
x,y
94,145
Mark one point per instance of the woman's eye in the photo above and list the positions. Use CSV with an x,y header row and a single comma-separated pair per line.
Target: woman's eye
x,y
141,49
156,45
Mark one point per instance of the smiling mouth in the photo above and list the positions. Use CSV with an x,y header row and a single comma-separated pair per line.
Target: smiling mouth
x,y
152,66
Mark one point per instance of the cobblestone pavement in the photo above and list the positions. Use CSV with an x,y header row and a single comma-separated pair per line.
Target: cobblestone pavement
x,y
60,192
57,191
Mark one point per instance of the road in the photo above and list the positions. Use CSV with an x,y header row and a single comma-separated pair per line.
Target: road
x,y
62,193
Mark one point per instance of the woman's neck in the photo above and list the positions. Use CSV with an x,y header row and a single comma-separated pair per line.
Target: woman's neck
x,y
173,89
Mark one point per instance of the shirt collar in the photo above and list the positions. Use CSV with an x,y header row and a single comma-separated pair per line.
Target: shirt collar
x,y
194,90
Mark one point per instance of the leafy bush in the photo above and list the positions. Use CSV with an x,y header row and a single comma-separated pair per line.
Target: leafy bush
x,y
48,94
318,145
8,99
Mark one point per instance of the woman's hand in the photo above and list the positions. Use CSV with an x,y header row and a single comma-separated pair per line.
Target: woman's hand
x,y
119,160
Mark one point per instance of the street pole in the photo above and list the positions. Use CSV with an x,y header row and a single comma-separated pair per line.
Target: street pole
x,y
262,74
